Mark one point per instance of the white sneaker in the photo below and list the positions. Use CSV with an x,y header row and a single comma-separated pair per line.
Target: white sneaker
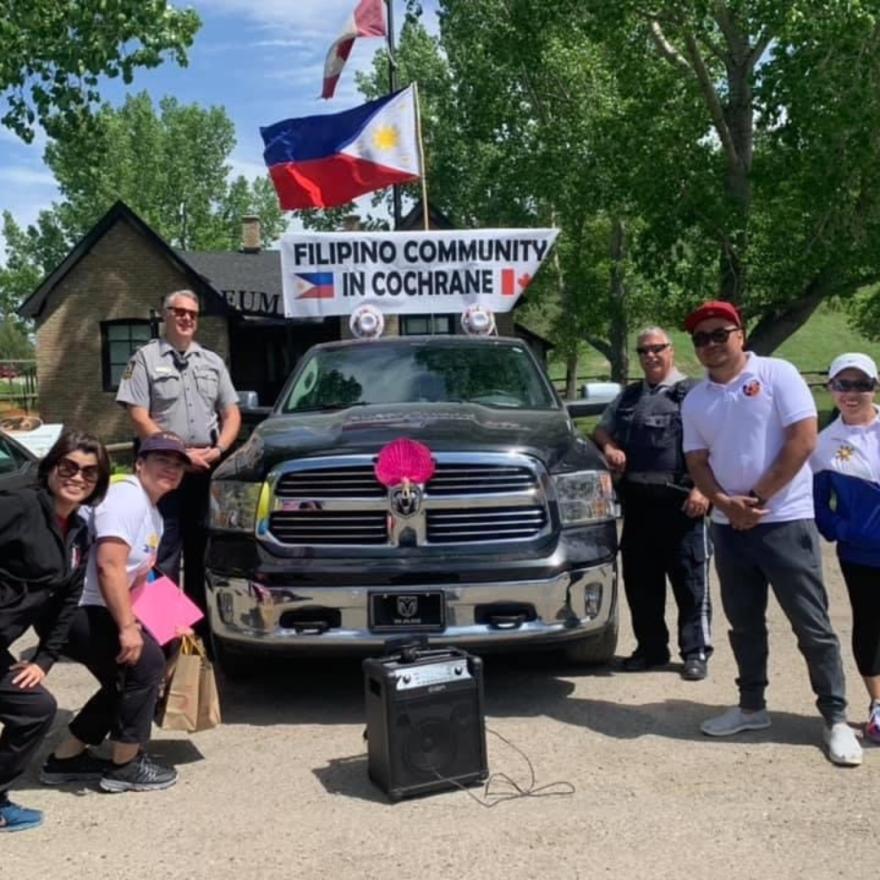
x,y
843,747
735,720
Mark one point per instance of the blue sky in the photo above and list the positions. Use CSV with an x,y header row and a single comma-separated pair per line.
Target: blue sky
x,y
261,59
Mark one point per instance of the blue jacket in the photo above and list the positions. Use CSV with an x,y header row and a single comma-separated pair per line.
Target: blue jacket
x,y
846,490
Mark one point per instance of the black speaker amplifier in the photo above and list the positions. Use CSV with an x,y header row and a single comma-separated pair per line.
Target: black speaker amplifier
x,y
425,722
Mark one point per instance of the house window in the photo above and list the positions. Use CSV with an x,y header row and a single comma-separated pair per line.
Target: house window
x,y
427,325
119,341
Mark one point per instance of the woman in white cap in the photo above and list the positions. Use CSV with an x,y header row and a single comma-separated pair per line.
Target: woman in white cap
x,y
106,637
846,468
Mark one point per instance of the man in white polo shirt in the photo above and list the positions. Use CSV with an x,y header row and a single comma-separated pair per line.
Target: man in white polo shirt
x,y
749,429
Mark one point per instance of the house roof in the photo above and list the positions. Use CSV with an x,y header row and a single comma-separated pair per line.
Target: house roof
x,y
119,212
414,219
249,282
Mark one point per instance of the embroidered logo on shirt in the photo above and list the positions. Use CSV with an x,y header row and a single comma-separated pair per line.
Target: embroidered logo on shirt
x,y
752,389
844,452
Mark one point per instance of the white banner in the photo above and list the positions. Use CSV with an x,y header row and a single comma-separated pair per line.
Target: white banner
x,y
332,273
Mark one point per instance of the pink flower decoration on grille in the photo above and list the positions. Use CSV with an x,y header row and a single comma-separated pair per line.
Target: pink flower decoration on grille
x,y
404,461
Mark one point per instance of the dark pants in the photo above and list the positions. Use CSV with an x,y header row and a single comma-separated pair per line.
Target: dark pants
x,y
660,541
26,716
185,517
785,556
124,707
863,585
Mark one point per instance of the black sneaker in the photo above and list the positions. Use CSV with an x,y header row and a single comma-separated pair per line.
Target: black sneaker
x,y
696,667
641,662
84,767
140,774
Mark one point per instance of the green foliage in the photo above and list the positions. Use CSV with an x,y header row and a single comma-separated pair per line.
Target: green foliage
x,y
14,342
55,51
170,166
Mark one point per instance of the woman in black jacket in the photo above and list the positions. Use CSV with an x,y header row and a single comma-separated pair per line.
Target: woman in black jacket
x,y
43,548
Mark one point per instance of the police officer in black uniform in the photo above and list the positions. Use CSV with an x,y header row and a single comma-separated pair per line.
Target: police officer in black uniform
x,y
664,515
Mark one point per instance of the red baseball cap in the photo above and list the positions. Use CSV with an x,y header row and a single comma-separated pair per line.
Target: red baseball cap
x,y
715,308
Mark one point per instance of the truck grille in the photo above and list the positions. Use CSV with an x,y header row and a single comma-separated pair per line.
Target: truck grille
x,y
469,500
329,527
358,481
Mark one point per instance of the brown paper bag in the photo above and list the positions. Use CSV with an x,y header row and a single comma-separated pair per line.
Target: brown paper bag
x,y
209,699
191,701
179,706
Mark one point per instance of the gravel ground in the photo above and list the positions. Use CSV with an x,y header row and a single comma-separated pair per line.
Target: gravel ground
x,y
281,789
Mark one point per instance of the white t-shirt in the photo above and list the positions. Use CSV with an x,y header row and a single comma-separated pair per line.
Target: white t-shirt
x,y
126,513
743,423
853,450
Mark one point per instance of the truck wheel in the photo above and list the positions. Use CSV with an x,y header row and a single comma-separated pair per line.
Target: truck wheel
x,y
594,650
232,664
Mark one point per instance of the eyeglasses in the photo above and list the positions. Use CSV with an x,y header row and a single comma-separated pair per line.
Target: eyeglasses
x,y
68,468
863,386
178,312
642,350
719,335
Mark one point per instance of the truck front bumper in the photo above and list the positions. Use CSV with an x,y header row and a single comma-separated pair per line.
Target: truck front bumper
x,y
508,614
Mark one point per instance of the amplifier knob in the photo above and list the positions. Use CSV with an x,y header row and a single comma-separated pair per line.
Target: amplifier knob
x,y
458,670
406,679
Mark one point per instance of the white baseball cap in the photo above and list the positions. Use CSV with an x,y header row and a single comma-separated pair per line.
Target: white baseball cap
x,y
853,361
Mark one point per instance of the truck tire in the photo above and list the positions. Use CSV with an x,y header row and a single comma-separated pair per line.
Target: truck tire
x,y
232,664
595,650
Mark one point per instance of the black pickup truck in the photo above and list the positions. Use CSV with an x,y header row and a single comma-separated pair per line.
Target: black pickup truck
x,y
512,543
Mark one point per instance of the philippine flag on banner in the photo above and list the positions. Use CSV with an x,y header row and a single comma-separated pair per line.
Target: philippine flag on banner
x,y
322,161
313,285
367,20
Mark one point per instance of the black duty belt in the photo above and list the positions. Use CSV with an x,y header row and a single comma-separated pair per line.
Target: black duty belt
x,y
656,481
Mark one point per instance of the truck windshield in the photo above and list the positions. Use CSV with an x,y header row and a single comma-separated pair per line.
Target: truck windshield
x,y
491,374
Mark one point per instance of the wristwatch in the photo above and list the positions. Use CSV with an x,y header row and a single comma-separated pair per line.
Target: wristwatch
x,y
762,502
220,448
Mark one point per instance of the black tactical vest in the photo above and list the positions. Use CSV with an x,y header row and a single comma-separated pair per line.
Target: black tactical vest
x,y
648,428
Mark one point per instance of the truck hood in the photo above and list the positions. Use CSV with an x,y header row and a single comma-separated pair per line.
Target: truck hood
x,y
460,427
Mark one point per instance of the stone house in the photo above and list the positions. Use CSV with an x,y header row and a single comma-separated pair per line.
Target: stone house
x,y
105,300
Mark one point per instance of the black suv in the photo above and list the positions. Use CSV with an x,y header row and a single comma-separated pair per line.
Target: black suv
x,y
511,544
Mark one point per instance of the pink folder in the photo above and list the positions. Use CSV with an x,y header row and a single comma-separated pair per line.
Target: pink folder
x,y
161,606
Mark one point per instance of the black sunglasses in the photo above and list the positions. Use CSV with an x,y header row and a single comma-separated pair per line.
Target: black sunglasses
x,y
68,468
642,350
719,335
863,386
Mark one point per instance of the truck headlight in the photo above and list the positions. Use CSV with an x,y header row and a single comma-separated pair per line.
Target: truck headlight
x,y
234,505
584,497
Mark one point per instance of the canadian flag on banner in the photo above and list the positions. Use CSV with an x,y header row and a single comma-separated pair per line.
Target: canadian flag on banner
x,y
367,20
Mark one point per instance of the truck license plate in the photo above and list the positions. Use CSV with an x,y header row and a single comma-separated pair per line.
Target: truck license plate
x,y
424,611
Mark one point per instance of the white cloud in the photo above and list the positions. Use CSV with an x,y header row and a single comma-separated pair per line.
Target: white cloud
x,y
17,175
247,168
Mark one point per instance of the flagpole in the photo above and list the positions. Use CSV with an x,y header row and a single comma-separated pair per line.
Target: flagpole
x,y
392,87
423,176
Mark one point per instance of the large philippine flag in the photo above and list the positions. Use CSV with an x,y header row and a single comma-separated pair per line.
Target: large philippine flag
x,y
322,161
367,20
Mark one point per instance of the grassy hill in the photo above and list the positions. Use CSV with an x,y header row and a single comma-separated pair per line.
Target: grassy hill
x,y
826,335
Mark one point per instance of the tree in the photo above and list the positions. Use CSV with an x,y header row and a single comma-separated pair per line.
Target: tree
x,y
54,52
514,104
171,168
780,188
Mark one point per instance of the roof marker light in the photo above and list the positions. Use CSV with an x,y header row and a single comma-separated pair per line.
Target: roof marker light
x,y
478,321
366,322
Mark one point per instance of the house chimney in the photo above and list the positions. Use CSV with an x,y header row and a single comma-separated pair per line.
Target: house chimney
x,y
351,223
251,237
